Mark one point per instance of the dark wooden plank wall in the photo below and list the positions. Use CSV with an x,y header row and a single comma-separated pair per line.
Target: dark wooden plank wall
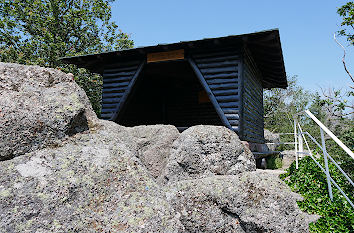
x,y
253,122
220,69
116,79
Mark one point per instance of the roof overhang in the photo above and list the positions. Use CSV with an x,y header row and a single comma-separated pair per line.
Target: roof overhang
x,y
265,47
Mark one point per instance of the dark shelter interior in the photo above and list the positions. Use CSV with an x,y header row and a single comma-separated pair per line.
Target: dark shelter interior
x,y
168,93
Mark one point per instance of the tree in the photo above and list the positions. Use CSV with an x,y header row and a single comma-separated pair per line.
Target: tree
x,y
39,32
280,105
347,13
336,98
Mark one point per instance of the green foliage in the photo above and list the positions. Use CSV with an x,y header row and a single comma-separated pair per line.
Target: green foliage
x,y
309,180
280,105
274,162
311,183
39,32
347,13
339,155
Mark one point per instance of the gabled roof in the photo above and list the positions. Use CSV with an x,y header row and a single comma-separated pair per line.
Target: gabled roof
x,y
265,47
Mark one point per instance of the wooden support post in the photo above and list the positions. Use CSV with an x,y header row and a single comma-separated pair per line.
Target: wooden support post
x,y
209,93
127,92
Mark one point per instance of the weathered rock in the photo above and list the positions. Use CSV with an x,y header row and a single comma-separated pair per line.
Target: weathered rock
x,y
90,183
202,151
38,106
154,143
271,138
248,202
69,177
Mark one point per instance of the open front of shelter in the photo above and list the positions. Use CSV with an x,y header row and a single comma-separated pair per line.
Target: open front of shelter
x,y
217,81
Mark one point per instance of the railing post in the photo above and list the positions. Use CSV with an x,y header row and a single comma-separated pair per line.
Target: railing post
x,y
295,138
301,144
326,165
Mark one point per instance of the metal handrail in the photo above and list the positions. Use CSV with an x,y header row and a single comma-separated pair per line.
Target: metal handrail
x,y
300,137
330,157
323,127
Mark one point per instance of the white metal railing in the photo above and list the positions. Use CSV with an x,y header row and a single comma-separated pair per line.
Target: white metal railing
x,y
300,138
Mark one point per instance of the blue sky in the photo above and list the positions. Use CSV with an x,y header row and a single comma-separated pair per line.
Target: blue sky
x,y
306,30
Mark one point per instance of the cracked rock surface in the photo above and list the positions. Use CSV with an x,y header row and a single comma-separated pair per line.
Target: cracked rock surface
x,y
38,107
79,174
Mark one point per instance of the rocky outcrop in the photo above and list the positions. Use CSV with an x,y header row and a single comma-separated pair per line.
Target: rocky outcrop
x,y
153,145
38,107
90,183
202,151
79,174
248,202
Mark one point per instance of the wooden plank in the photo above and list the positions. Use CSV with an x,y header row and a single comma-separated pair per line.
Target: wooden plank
x,y
231,111
218,53
226,86
229,104
218,70
110,100
105,106
217,59
112,95
118,74
107,111
106,116
218,64
121,64
114,90
228,98
223,75
166,56
116,84
222,81
225,92
111,85
234,122
121,69
232,116
113,80
210,94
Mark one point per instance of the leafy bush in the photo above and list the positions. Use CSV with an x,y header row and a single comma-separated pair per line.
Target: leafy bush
x,y
274,162
311,183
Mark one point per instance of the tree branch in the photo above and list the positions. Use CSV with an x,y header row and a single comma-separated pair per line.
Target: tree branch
x,y
343,59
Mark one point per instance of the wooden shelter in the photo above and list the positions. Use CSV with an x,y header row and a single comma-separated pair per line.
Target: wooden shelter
x,y
216,81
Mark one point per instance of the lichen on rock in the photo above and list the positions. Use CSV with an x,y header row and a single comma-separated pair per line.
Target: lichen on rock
x,y
66,171
39,107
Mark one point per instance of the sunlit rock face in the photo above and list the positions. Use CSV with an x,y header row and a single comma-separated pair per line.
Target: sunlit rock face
x,y
75,173
39,107
93,182
205,150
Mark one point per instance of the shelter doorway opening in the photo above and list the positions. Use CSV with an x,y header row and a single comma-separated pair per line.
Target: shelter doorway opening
x,y
168,93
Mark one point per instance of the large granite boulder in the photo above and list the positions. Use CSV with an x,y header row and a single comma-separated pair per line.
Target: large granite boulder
x,y
202,151
38,107
90,183
67,171
153,145
249,202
